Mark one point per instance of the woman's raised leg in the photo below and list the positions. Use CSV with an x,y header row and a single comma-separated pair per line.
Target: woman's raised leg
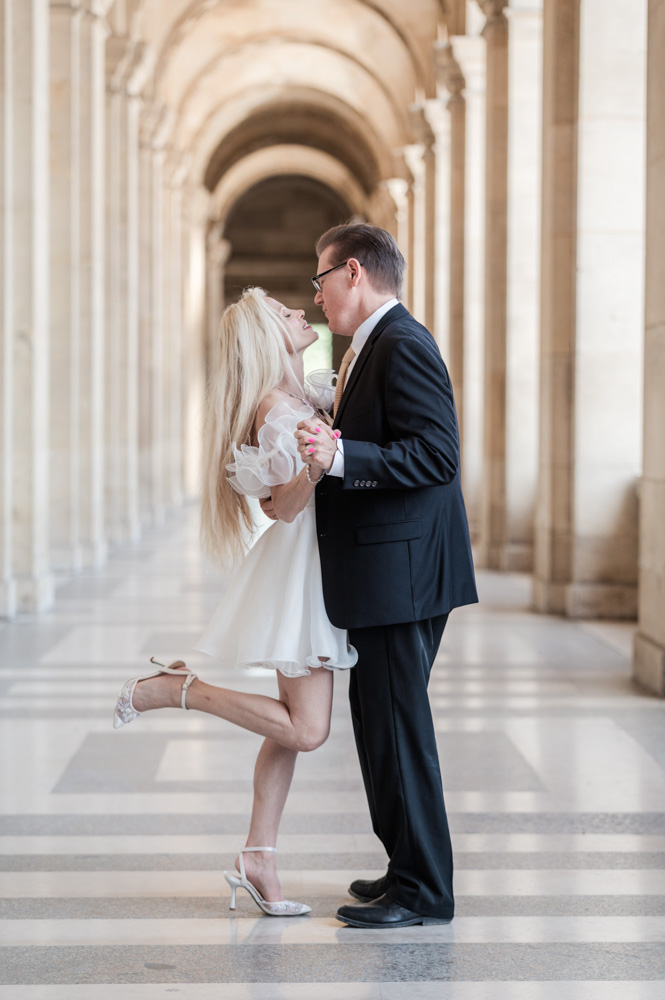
x,y
299,719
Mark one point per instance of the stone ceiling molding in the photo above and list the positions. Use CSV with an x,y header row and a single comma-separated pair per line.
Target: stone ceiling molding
x,y
273,161
219,68
186,20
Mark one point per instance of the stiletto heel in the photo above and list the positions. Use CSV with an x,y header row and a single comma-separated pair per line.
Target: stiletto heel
x,y
124,708
284,908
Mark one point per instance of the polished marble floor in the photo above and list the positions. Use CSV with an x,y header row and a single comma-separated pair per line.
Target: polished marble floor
x,y
112,843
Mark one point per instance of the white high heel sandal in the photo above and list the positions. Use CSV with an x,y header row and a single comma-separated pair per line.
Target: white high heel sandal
x,y
124,708
284,908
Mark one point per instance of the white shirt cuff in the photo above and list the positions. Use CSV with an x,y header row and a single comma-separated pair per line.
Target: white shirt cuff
x,y
337,468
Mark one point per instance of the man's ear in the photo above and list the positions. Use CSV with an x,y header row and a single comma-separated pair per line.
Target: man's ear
x,y
355,268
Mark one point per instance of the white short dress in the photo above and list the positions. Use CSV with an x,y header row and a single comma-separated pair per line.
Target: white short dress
x,y
272,613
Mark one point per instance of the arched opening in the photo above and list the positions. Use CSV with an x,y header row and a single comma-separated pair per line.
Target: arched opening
x,y
272,229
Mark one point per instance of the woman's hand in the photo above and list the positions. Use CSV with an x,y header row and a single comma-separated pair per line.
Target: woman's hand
x,y
317,444
268,508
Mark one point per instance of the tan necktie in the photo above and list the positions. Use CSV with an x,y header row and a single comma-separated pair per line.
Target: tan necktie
x,y
341,378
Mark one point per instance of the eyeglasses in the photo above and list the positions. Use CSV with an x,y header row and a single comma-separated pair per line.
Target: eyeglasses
x,y
315,279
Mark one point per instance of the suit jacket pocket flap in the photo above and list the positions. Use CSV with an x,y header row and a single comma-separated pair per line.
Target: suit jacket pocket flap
x,y
394,531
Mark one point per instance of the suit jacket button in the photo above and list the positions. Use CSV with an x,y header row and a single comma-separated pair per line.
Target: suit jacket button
x,y
362,482
357,482
375,484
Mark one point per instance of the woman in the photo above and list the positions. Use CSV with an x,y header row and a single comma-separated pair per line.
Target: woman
x,y
272,614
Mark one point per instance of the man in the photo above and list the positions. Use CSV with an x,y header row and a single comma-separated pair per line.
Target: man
x,y
395,559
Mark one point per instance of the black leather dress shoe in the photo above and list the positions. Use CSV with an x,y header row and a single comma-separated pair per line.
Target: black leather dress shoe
x,y
384,912
367,891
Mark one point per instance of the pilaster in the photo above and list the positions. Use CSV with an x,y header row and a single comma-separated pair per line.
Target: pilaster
x,y
470,53
493,520
452,84
649,659
426,140
591,308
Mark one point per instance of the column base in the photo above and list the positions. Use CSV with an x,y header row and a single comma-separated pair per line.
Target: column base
x,y
513,557
35,594
585,600
548,598
649,664
8,603
68,558
601,600
94,555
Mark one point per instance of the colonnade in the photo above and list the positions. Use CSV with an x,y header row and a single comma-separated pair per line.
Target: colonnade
x,y
519,194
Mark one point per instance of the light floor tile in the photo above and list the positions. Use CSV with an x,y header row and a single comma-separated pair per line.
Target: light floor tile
x,y
300,884
318,843
304,930
559,990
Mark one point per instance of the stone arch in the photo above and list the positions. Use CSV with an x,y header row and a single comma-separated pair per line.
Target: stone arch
x,y
294,161
248,108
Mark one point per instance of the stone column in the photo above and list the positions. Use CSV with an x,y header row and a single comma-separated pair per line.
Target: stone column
x,y
649,663
93,34
173,329
452,82
416,258
523,284
591,328
469,51
218,251
426,139
77,34
7,581
196,204
26,351
493,518
65,294
401,190
124,67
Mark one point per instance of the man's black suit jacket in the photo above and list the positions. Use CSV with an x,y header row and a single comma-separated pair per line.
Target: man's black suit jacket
x,y
393,533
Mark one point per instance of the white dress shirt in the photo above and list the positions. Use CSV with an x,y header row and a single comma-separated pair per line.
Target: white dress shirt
x,y
358,341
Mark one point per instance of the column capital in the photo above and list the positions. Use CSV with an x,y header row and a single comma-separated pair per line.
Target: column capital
x,y
401,166
449,72
420,126
496,19
157,121
128,64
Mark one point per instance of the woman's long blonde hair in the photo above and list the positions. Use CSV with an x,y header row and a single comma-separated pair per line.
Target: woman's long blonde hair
x,y
252,360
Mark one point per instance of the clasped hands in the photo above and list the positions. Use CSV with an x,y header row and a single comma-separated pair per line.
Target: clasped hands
x,y
317,444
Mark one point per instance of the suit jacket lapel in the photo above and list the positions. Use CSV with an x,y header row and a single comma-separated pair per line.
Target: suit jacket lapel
x,y
395,313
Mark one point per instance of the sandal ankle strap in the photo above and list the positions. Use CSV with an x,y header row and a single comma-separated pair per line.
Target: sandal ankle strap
x,y
183,693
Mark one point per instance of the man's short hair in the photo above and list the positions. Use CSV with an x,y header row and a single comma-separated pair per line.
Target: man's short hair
x,y
372,247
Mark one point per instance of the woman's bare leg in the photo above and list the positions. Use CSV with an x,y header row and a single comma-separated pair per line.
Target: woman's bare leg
x,y
298,720
272,780
274,769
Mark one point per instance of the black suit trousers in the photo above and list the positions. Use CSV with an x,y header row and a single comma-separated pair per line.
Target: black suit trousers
x,y
394,733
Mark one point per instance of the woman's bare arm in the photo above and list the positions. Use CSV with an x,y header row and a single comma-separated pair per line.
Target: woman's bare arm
x,y
289,499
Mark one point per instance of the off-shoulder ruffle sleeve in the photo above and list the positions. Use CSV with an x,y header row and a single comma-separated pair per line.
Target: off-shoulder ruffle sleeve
x,y
275,460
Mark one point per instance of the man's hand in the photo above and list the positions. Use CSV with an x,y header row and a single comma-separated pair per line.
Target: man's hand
x,y
268,508
317,443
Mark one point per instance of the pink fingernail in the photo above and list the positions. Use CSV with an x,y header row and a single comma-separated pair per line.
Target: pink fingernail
x,y
311,440
317,429
337,434
310,450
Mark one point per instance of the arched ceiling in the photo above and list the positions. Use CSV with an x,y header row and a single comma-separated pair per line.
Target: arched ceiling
x,y
303,123
238,76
